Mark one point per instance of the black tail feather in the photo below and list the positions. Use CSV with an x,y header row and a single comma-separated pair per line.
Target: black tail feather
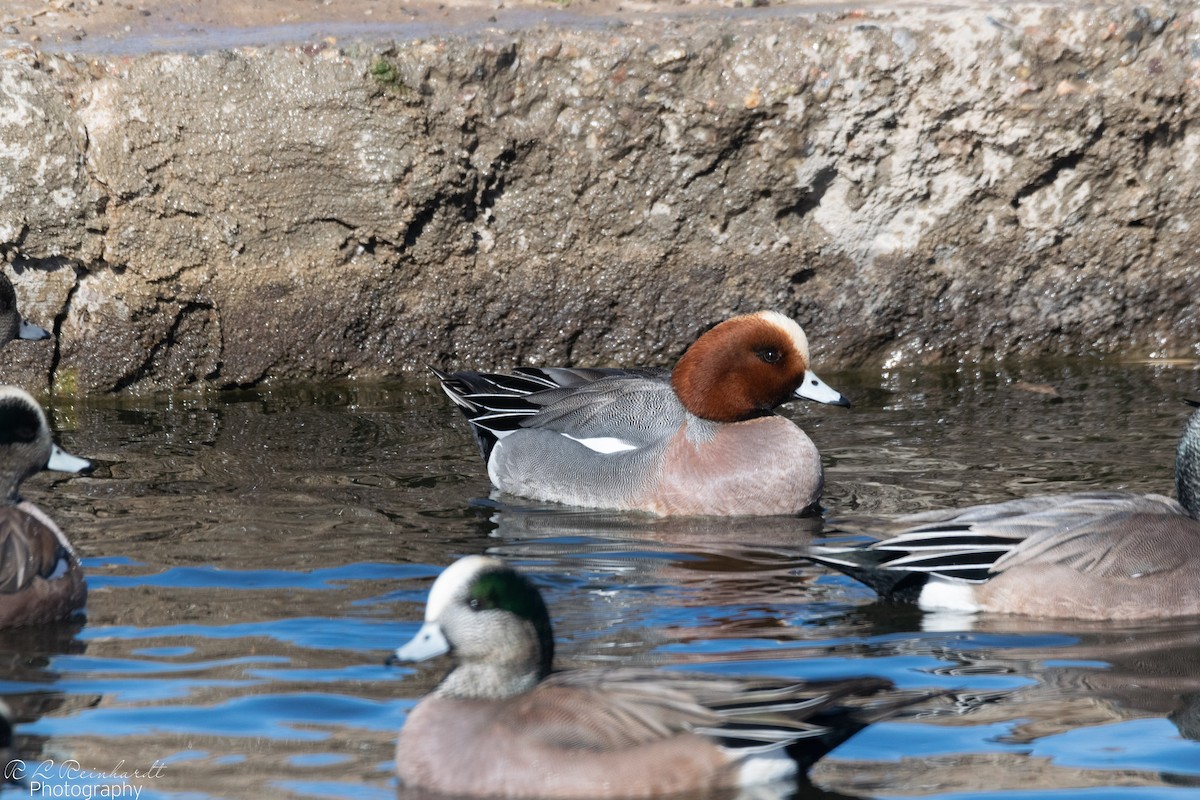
x,y
841,726
893,585
492,403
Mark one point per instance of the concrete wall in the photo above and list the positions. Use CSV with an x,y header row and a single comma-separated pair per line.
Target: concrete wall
x,y
910,185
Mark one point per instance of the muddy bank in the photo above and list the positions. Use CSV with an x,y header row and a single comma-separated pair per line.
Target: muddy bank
x,y
911,184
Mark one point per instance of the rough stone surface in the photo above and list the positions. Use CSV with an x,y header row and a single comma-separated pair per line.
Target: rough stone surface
x,y
910,184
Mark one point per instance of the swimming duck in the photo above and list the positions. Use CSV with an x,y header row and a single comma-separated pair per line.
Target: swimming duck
x,y
11,324
699,439
40,576
503,723
1087,555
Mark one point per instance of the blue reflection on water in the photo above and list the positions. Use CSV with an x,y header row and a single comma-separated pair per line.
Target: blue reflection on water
x,y
274,716
217,578
310,632
276,672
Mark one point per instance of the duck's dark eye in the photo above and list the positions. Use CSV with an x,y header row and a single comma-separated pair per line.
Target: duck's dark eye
x,y
770,355
474,604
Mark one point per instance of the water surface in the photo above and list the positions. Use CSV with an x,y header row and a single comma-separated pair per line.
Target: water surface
x,y
253,557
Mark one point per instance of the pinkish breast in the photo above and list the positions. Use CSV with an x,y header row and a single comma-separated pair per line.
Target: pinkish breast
x,y
757,467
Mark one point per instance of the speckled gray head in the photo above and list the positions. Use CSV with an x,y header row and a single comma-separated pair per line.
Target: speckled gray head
x,y
11,324
25,444
493,621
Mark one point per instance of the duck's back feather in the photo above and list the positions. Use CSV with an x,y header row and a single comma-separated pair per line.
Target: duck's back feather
x,y
563,399
1105,533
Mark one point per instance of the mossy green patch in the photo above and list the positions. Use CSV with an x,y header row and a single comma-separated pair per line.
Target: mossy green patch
x,y
66,382
386,74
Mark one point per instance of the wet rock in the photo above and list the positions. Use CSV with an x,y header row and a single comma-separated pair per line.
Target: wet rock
x,y
912,185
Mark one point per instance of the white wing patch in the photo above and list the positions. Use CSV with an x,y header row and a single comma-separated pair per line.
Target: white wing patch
x,y
603,444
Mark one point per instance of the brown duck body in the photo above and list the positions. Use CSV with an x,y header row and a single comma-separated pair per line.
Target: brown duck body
x,y
40,576
1088,555
555,741
502,724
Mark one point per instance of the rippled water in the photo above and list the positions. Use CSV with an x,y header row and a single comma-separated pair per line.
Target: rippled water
x,y
252,558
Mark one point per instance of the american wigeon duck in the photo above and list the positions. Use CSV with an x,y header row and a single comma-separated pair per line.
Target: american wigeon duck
x,y
504,724
701,438
12,326
1088,555
40,576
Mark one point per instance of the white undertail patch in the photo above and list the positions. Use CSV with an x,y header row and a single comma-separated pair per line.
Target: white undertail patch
x,y
773,766
941,594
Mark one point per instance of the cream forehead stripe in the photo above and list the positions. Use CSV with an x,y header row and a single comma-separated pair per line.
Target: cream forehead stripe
x,y
789,327
452,579
18,393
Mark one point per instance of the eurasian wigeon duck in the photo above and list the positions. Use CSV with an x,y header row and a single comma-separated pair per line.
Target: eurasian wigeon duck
x,y
40,576
504,724
699,439
11,324
1088,555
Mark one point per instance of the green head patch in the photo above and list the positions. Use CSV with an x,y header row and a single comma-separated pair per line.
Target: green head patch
x,y
503,589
